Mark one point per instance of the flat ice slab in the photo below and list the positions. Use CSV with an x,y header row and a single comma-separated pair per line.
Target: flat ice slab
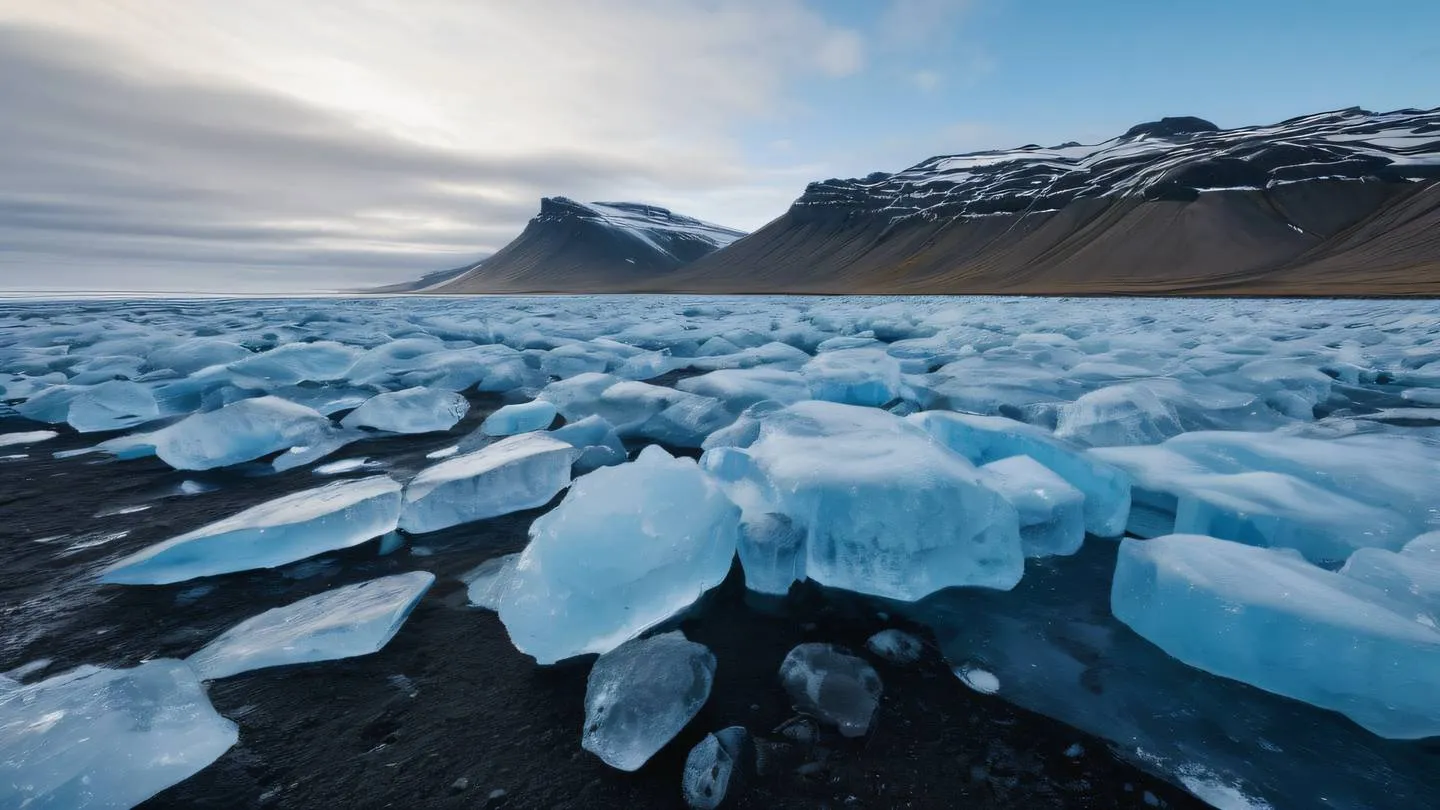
x,y
106,738
414,410
520,418
521,472
1269,618
340,623
241,431
641,694
275,533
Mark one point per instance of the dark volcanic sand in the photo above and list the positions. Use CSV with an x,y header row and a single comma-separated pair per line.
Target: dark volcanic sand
x,y
449,712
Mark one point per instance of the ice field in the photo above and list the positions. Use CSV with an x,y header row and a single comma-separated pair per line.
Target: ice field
x,y
1221,512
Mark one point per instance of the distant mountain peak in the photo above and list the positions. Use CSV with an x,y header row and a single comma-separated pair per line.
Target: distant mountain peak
x,y
1171,126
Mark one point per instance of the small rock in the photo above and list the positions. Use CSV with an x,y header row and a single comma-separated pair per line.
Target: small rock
x,y
496,798
1075,751
1151,799
714,767
460,785
799,729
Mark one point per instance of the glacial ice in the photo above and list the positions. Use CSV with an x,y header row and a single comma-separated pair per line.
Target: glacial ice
x,y
597,441
189,356
274,533
413,410
106,738
713,767
1410,576
487,583
854,376
519,472
984,439
1273,620
885,509
113,405
339,623
293,363
239,432
628,547
522,417
1051,511
833,686
641,694
26,437
741,388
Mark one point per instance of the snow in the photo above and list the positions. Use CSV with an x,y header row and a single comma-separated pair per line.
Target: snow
x,y
520,418
519,472
833,686
274,533
629,547
413,410
1269,618
106,738
641,694
339,623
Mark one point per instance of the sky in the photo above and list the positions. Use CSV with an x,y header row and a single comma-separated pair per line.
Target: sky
x,y
274,145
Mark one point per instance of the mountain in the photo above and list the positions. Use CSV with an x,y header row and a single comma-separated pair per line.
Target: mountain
x,y
423,283
1337,203
579,247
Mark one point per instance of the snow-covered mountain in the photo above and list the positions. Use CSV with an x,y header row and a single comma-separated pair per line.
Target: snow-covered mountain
x,y
1170,159
1336,203
574,246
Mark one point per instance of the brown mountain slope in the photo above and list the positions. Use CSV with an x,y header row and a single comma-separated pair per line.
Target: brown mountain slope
x,y
1315,238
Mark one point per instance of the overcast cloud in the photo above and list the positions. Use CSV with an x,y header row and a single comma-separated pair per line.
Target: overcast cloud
x,y
271,144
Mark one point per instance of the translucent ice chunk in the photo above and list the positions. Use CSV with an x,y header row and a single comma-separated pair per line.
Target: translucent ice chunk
x,y
828,683
113,405
1051,511
895,646
984,439
1411,576
414,410
520,418
339,623
741,388
855,376
520,472
713,766
885,509
239,432
1270,619
295,362
275,533
106,738
629,547
641,694
488,581
597,441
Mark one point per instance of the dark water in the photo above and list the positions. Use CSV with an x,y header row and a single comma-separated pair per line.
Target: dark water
x,y
449,713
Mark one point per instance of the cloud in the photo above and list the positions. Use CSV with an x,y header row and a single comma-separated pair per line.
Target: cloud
x,y
333,143
926,80
917,23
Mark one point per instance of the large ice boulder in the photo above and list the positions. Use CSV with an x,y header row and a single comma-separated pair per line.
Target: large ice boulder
x,y
885,509
342,622
641,694
414,410
1269,618
239,432
522,417
983,439
628,547
828,683
520,472
106,738
1051,511
275,533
